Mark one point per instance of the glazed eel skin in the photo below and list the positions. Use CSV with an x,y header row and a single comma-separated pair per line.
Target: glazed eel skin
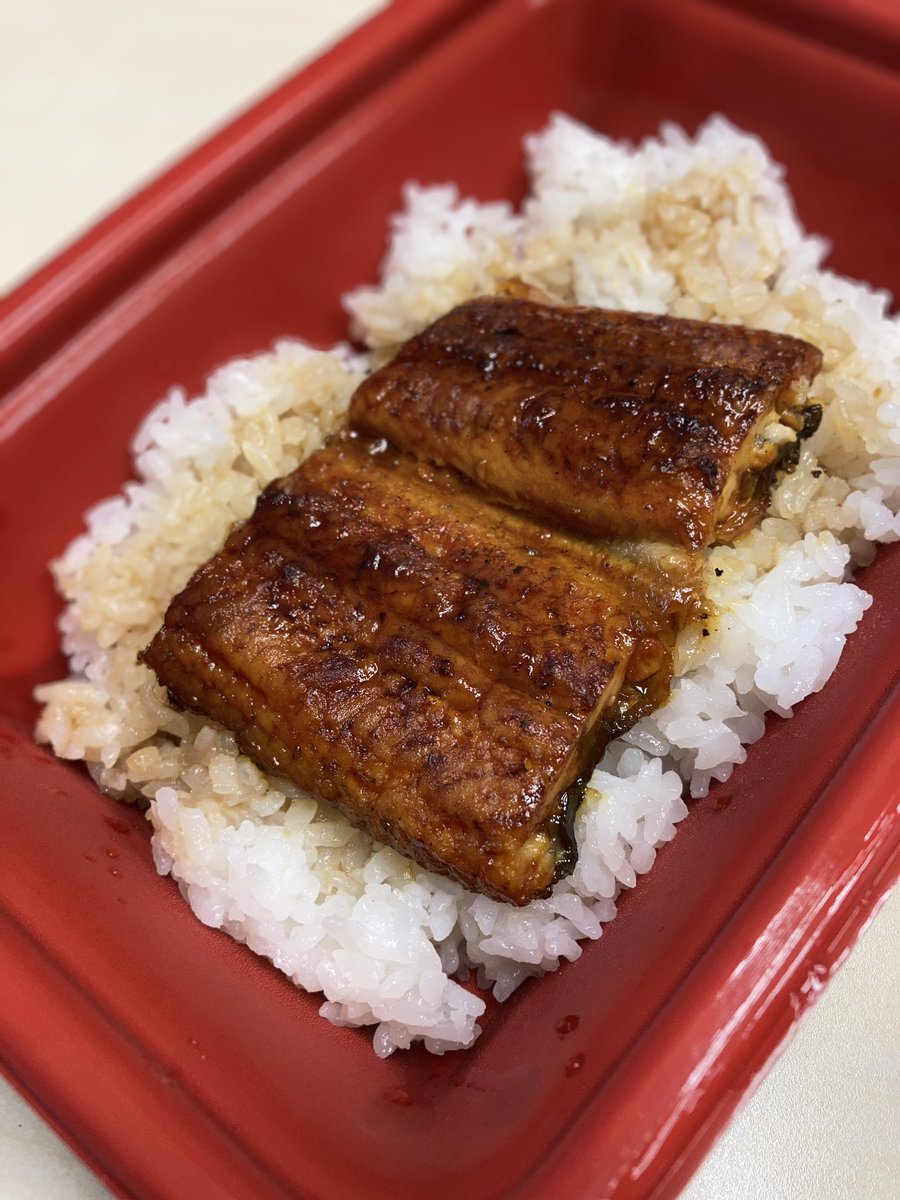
x,y
616,423
443,664
442,669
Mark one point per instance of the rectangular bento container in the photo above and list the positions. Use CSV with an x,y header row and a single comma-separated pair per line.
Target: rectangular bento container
x,y
174,1061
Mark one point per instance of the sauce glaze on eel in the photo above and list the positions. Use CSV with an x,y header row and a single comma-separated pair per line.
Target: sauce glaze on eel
x,y
442,669
619,424
414,625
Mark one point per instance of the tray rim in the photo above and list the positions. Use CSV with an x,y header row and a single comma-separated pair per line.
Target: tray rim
x,y
758,1007
63,295
60,288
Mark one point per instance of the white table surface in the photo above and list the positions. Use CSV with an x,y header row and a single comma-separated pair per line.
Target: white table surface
x,y
95,97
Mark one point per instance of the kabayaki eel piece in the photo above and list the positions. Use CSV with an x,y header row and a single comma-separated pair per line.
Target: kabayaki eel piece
x,y
442,669
618,424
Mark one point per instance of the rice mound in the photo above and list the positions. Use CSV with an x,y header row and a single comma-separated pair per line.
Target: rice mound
x,y
698,228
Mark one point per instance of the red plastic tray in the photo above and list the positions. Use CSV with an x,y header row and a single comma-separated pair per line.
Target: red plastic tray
x,y
173,1060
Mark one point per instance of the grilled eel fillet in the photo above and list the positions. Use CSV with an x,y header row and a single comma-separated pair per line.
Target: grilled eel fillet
x,y
442,669
618,424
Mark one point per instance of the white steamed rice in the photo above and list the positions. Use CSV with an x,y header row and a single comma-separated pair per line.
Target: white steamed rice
x,y
701,228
